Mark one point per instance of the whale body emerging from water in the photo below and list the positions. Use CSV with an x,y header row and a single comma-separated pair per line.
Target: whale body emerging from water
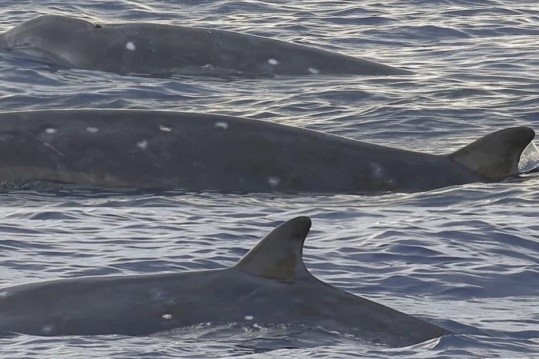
x,y
269,285
159,49
202,152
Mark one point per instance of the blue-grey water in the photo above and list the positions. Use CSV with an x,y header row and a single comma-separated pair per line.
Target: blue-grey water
x,y
464,257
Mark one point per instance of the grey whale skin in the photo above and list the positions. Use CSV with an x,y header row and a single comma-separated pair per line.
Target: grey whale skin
x,y
269,285
146,48
161,150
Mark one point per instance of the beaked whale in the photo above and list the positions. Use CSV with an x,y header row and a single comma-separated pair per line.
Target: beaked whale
x,y
157,49
269,285
201,152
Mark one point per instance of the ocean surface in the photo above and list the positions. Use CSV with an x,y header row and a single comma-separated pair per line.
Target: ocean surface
x,y
463,257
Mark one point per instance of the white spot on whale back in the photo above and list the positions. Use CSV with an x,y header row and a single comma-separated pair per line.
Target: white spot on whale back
x,y
379,173
222,125
92,129
273,62
274,181
314,70
142,144
167,316
376,169
51,130
47,329
165,128
156,294
130,46
249,317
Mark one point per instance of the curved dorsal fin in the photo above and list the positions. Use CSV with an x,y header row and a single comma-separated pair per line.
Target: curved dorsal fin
x,y
279,254
496,155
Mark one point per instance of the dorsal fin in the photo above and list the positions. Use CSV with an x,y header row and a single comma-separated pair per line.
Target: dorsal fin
x,y
496,155
279,254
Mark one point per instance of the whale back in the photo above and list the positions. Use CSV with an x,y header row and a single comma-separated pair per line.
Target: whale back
x,y
279,254
495,156
161,49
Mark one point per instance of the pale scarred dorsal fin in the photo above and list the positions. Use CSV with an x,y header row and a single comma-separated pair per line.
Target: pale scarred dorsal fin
x,y
496,155
279,254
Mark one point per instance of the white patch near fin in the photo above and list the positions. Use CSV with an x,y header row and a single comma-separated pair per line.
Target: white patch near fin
x,y
165,128
222,125
314,70
249,317
130,46
92,129
273,62
167,316
51,130
142,144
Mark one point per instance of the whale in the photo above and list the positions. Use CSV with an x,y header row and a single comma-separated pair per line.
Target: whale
x,y
269,285
159,49
197,152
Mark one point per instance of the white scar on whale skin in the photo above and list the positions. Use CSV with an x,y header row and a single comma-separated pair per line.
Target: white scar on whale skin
x,y
273,62
165,128
46,144
92,129
222,125
376,169
130,46
142,144
47,329
379,173
274,181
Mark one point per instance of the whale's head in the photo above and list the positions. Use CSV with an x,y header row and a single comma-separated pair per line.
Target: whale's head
x,y
46,36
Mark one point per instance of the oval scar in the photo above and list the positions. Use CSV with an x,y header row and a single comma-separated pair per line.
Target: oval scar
x,y
222,125
142,144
